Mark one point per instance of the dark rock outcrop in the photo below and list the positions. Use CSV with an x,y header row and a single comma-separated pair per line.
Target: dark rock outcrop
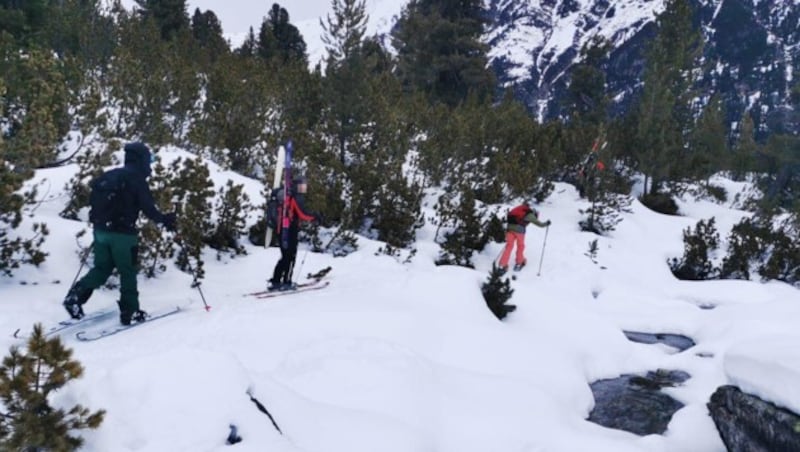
x,y
749,424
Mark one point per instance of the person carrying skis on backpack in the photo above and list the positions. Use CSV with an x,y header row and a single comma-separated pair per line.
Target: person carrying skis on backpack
x,y
117,197
294,206
517,221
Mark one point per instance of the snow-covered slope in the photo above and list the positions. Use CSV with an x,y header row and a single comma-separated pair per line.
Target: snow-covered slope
x,y
406,357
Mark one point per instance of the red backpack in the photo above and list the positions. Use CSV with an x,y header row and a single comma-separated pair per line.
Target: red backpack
x,y
517,214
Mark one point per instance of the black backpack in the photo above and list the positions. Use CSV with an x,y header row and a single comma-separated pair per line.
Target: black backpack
x,y
106,200
273,208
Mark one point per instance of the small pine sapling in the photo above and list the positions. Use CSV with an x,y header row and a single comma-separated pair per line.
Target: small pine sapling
x,y
592,252
466,237
494,229
194,190
27,380
696,263
232,207
747,243
496,292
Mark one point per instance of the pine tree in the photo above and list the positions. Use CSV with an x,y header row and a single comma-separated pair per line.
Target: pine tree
x,y
237,114
343,33
346,75
605,212
747,242
466,236
156,247
207,32
783,260
709,143
696,262
170,16
249,46
80,31
37,107
745,149
440,52
153,84
194,190
781,155
232,207
397,209
279,40
516,151
24,20
586,102
27,382
496,292
14,250
663,112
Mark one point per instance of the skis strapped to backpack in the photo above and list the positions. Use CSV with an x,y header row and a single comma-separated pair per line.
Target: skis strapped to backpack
x,y
272,201
287,195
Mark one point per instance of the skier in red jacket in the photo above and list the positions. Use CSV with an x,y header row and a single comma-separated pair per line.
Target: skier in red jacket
x,y
518,219
282,276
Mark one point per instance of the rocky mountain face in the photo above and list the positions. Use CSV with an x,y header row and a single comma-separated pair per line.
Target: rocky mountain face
x,y
750,56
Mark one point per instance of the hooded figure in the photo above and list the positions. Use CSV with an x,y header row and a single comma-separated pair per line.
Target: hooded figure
x,y
118,196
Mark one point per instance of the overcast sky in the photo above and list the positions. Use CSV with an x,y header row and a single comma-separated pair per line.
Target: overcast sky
x,y
239,15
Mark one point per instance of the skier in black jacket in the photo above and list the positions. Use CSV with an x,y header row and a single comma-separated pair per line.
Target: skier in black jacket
x,y
295,207
125,193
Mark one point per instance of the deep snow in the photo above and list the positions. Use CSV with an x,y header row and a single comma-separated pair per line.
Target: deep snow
x,y
406,357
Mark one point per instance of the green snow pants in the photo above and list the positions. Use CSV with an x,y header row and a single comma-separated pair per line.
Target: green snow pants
x,y
115,250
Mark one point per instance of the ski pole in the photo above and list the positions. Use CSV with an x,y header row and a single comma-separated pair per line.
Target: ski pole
x,y
195,282
302,261
543,245
84,256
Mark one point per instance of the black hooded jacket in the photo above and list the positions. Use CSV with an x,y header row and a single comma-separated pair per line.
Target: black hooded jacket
x,y
136,196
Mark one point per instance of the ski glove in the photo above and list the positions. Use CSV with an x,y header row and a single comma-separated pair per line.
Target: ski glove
x,y
169,221
548,223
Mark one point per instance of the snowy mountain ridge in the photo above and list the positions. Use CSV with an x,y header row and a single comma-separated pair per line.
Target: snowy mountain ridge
x,y
750,54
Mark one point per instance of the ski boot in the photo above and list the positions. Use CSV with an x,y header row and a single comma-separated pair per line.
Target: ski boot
x,y
518,267
288,286
74,300
126,317
272,285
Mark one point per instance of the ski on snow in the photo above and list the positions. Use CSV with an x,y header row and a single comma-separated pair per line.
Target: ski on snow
x,y
99,333
312,279
88,319
304,287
